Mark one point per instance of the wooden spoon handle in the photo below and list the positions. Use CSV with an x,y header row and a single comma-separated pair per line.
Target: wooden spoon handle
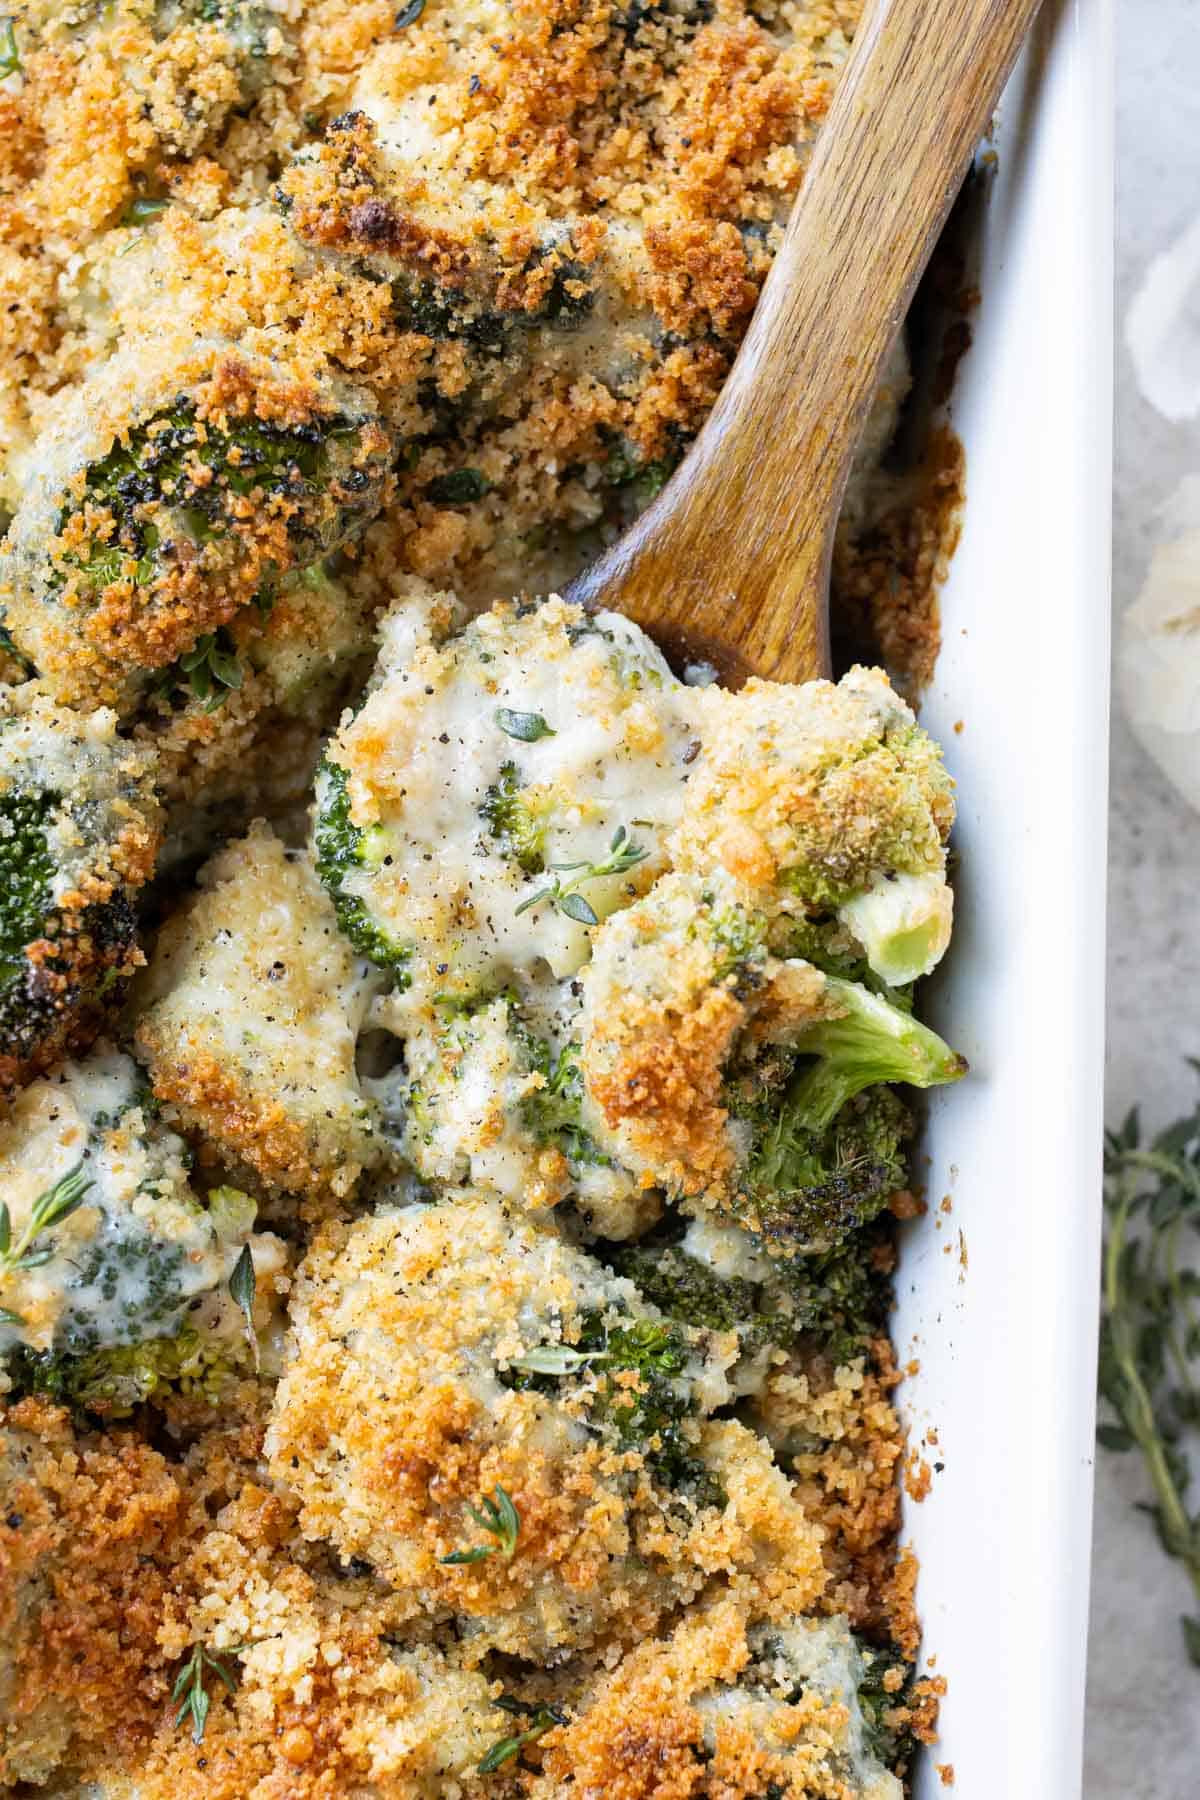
x,y
732,560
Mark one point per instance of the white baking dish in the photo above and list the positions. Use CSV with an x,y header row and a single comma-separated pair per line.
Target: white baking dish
x,y
1005,1333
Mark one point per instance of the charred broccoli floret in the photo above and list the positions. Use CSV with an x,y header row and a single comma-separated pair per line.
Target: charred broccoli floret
x,y
811,1185
170,504
717,1277
79,832
827,1138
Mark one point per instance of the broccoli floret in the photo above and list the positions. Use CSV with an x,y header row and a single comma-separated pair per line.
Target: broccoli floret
x,y
113,1252
687,1289
822,1658
851,807
842,1296
810,1186
827,1140
113,1382
475,312
739,938
873,1041
188,105
174,503
730,1077
652,1415
883,1695
440,313
511,820
79,831
179,468
340,848
554,1113
836,1300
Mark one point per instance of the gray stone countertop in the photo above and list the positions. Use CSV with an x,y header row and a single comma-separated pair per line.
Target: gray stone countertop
x,y
1143,1718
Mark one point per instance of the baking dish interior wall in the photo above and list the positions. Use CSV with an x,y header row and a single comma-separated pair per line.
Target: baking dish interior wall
x,y
997,1299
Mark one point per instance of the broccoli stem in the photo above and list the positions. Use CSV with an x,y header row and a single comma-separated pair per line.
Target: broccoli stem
x,y
872,1042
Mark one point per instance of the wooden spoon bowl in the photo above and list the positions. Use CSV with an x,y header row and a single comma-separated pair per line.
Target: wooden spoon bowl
x,y
730,565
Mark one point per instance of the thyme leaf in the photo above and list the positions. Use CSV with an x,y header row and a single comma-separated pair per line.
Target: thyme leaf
x,y
10,54
212,667
189,1689
528,726
48,1210
144,207
498,1516
556,1359
541,1720
564,896
241,1292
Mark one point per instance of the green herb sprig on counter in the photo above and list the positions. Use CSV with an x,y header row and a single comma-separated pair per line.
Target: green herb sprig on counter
x,y
498,1516
565,897
1149,1374
49,1209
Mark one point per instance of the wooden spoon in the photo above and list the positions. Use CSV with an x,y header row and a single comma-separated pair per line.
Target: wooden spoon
x,y
730,565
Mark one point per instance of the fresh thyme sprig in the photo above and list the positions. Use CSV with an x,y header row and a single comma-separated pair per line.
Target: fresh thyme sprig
x,y
190,1690
498,1516
49,1209
541,1720
623,854
1149,1372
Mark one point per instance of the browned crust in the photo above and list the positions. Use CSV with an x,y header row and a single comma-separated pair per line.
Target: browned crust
x,y
208,1098
203,586
886,583
666,1082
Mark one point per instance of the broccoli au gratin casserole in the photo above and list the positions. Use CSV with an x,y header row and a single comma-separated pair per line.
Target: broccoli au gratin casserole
x,y
458,1079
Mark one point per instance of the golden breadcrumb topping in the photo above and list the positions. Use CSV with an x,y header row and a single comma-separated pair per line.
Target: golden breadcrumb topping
x,y
546,1445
